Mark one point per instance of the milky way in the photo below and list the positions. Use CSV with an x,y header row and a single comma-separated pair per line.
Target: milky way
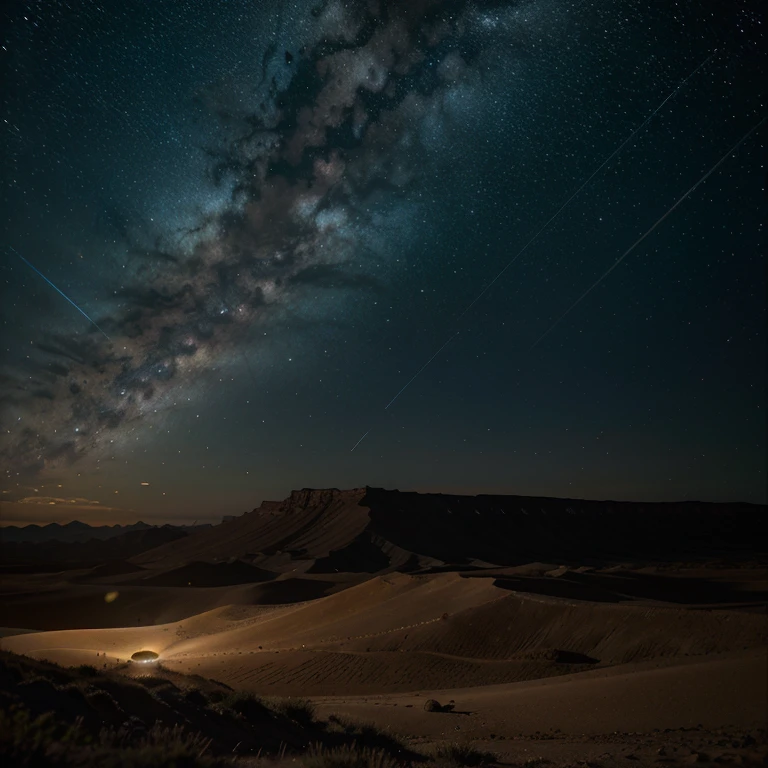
x,y
303,173
281,209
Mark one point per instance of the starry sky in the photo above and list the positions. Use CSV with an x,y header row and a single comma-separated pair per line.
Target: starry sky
x,y
255,246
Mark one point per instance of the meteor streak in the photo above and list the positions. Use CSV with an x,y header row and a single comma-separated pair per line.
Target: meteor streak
x,y
409,382
87,317
415,375
642,237
584,184
549,221
360,441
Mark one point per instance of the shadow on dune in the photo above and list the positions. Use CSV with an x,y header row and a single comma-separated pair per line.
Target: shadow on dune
x,y
361,556
626,586
293,591
112,568
365,554
200,574
571,657
562,588
672,589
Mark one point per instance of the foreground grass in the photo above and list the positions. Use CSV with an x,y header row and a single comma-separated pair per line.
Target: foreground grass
x,y
78,717
301,711
349,756
27,741
457,755
83,716
367,736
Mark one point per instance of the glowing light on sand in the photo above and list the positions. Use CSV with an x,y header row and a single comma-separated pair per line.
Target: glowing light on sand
x,y
144,657
110,597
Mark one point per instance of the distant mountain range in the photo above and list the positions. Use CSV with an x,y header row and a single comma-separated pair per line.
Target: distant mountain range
x,y
372,530
72,532
120,543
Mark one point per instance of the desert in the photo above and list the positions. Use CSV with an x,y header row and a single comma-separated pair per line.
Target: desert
x,y
383,384
431,618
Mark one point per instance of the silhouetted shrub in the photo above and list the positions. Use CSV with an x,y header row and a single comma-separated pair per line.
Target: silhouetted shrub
x,y
301,711
349,756
31,741
455,754
369,735
87,670
28,742
216,696
160,748
195,696
104,704
246,705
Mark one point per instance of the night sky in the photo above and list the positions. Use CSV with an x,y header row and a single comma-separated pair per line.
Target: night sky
x,y
274,213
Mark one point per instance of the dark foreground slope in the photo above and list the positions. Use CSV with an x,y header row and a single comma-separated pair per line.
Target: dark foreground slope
x,y
84,716
371,530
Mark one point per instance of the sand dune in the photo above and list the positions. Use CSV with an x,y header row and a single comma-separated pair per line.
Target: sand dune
x,y
401,632
85,606
526,614
519,624
638,698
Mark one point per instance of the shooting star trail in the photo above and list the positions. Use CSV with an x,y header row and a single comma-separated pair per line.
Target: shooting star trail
x,y
32,266
423,367
552,218
546,224
594,173
642,237
360,441
409,382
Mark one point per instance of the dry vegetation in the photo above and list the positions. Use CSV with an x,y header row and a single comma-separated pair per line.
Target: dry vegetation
x,y
79,716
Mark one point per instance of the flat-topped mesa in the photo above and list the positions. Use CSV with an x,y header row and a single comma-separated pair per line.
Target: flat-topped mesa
x,y
374,529
307,497
510,529
268,508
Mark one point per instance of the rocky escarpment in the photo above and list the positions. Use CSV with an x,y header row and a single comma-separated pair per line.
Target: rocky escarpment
x,y
516,529
372,530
